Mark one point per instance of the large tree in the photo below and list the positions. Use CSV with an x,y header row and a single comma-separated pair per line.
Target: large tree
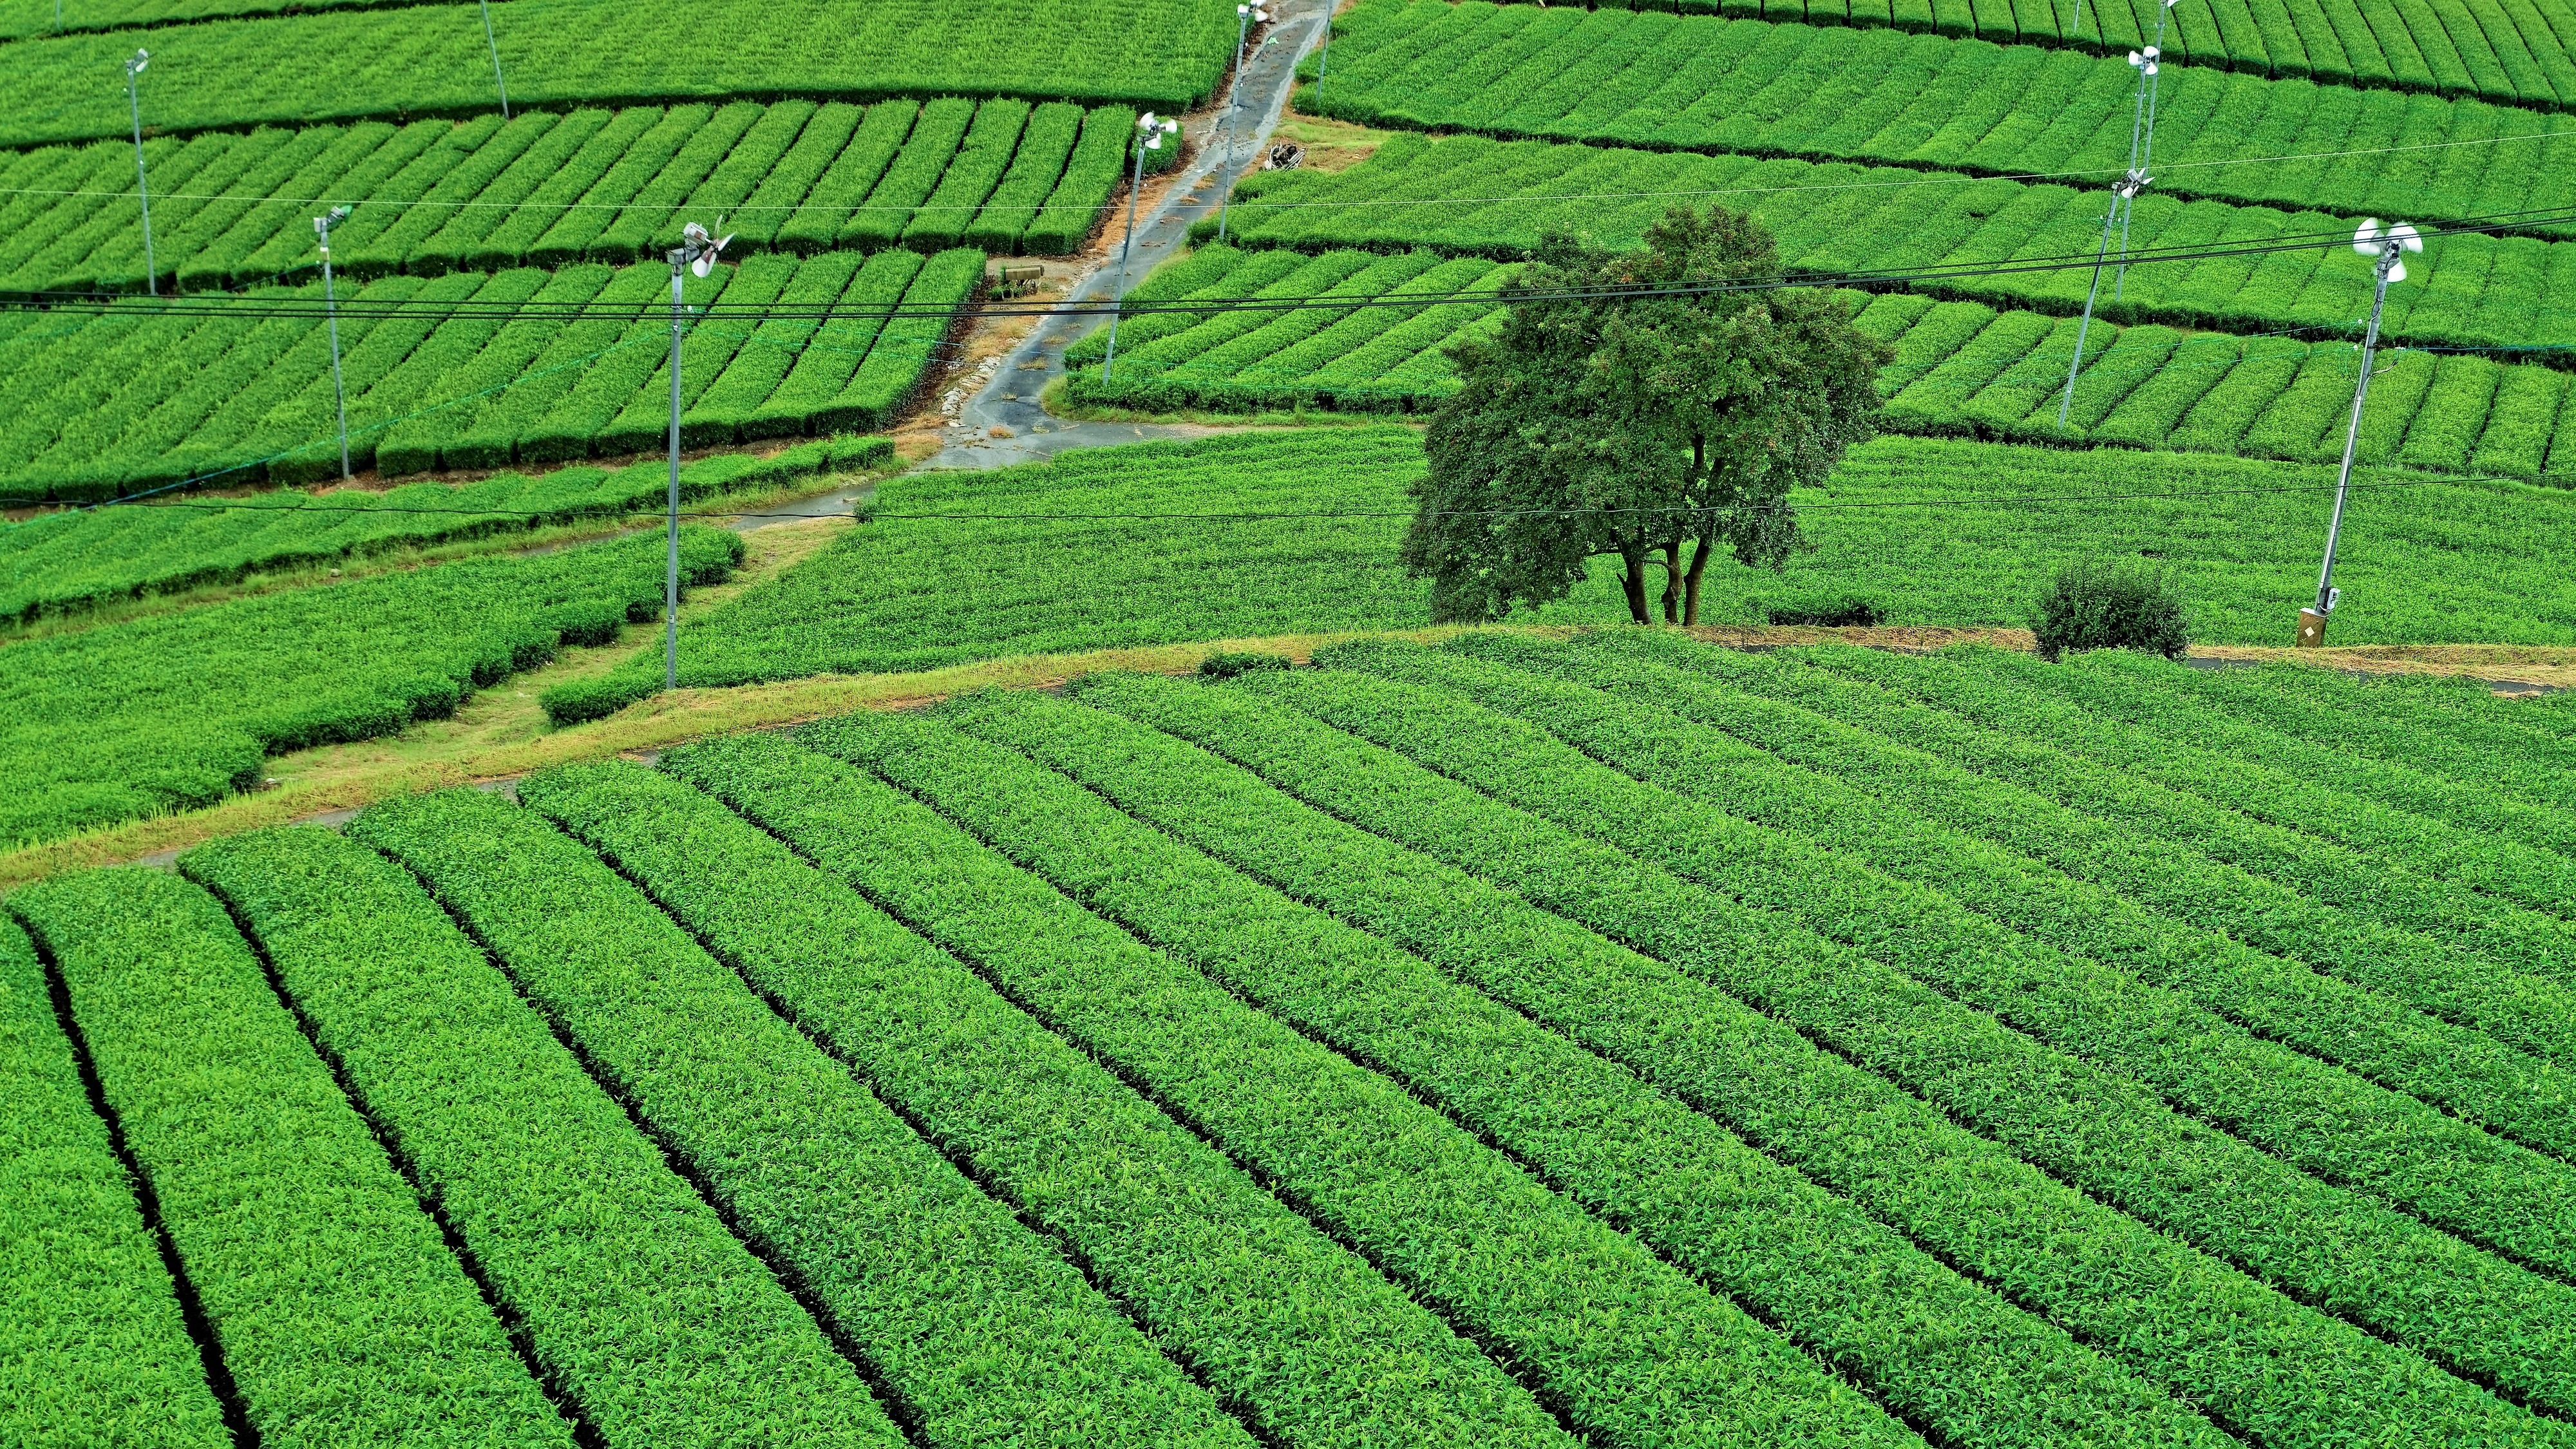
x,y
1636,405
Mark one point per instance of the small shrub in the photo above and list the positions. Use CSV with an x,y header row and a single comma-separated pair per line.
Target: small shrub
x,y
1225,664
1851,611
2112,604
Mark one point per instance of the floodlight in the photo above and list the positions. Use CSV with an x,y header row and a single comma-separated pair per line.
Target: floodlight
x,y
701,248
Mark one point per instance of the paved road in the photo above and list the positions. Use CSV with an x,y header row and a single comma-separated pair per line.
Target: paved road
x,y
1008,392
1005,390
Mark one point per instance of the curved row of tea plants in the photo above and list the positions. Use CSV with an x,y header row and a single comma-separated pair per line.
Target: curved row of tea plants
x,y
2467,290
344,1318
1265,534
432,60
137,397
549,189
65,563
76,560
2509,50
179,710
1829,93
1962,369
903,1255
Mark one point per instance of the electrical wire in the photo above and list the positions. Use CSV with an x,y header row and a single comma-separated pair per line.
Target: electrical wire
x,y
1947,178
205,304
873,516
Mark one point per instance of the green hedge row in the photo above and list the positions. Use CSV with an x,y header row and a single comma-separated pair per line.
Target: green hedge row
x,y
93,1349
1770,848
1962,369
2042,803
1615,711
341,1314
1936,1348
891,595
1451,1219
2507,857
2470,290
67,562
978,1330
179,710
133,398
1701,83
2162,790
431,60
645,1315
2204,1328
592,184
2496,48
2469,741
1314,1344
2293,1127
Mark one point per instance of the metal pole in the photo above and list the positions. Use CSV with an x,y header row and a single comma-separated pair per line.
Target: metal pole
x,y
2352,432
498,83
1324,61
2146,149
142,184
2137,116
1120,294
1233,103
331,310
671,575
2086,325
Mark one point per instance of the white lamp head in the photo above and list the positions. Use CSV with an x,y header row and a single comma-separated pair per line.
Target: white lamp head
x,y
701,247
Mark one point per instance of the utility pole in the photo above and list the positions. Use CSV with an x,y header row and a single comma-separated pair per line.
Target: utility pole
x,y
1244,18
697,252
1153,129
497,83
2390,247
331,310
2141,157
142,183
2122,189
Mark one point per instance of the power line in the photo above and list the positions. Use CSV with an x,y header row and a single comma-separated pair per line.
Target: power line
x,y
1949,178
203,304
218,505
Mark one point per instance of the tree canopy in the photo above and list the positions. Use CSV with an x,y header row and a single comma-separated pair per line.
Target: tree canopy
x,y
1634,405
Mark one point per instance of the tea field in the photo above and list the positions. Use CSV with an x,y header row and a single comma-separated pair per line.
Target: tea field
x,y
177,710
1614,1041
1271,533
66,564
1558,1036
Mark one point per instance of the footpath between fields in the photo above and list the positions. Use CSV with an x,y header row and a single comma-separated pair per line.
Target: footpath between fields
x,y
500,735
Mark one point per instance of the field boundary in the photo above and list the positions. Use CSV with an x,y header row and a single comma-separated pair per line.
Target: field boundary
x,y
662,720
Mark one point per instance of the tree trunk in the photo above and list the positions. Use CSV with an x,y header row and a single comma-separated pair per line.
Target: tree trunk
x,y
1633,582
1672,581
1699,561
